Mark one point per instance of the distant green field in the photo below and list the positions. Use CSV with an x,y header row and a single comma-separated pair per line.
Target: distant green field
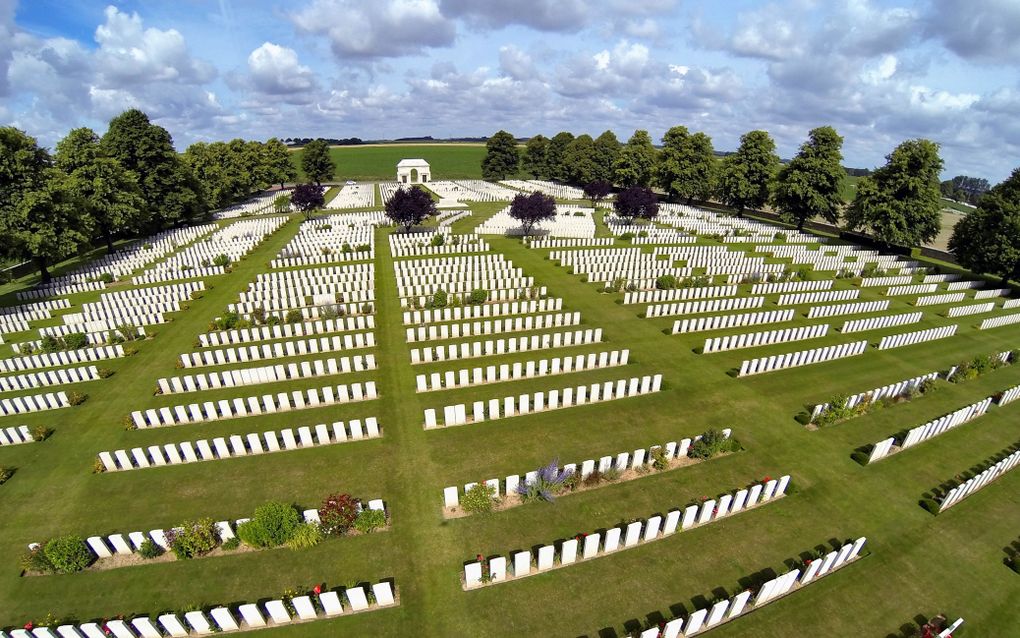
x,y
379,162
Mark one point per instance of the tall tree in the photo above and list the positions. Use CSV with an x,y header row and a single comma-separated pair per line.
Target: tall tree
x,y
809,185
307,198
597,191
987,239
686,166
316,162
532,209
39,217
554,166
534,160
579,160
107,193
501,156
636,163
279,167
746,176
900,203
636,202
409,207
169,188
607,150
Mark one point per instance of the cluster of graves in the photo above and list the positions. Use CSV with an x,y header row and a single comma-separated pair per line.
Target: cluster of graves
x,y
353,196
570,221
261,204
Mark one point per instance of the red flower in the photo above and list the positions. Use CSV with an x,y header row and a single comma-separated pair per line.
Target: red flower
x,y
317,589
28,626
766,479
478,558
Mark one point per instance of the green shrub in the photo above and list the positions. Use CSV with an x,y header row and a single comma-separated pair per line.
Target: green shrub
x,y
293,316
712,442
437,240
221,260
628,236
643,234
68,554
478,296
337,514
41,433
479,499
369,520
439,299
665,282
272,525
231,544
659,460
192,538
305,535
104,373
35,560
106,278
50,344
76,398
76,341
149,549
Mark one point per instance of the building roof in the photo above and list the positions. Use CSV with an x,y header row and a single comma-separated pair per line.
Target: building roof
x,y
412,163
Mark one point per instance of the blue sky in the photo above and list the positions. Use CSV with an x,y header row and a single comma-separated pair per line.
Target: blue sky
x,y
878,71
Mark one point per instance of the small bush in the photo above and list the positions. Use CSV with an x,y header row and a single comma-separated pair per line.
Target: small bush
x,y
149,549
221,260
665,282
35,560
628,236
41,433
193,538
437,240
439,299
76,398
231,544
50,344
659,460
106,278
337,514
5,473
68,554
293,316
479,499
272,525
305,535
258,316
712,442
104,373
369,520
478,296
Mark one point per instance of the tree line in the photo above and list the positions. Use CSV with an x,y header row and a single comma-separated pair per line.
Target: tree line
x,y
94,189
896,204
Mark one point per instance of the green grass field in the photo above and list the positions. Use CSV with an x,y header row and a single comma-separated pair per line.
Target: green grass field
x,y
379,162
919,565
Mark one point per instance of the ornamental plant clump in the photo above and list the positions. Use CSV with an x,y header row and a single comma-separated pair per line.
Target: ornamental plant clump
x,y
545,485
481,498
337,514
68,554
712,442
272,525
192,538
306,535
369,520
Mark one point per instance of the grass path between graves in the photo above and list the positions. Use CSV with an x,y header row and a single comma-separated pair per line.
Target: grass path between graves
x,y
919,564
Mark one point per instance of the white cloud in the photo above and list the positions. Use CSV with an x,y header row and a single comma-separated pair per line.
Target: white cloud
x,y
377,29
979,30
130,53
275,70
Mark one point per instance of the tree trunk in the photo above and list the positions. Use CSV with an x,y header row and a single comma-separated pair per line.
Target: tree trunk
x,y
44,274
109,242
800,223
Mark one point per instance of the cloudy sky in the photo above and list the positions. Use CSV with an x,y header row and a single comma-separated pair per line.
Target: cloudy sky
x,y
879,71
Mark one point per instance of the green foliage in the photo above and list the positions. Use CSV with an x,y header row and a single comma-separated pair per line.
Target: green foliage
x,y
686,165
746,176
221,260
305,535
277,167
369,520
479,499
635,164
193,538
478,296
665,282
900,202
36,561
555,167
659,460
337,514
439,299
501,156
77,398
106,278
316,162
712,442
41,433
272,525
988,239
579,160
293,316
627,236
437,240
808,185
533,161
68,554
149,549
76,341
974,368
605,153
231,544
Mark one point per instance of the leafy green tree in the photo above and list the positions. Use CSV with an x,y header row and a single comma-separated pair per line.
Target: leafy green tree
x,y
987,239
107,193
686,166
39,217
281,204
534,159
168,186
636,163
554,166
900,203
501,156
316,162
745,180
276,157
808,186
579,160
607,150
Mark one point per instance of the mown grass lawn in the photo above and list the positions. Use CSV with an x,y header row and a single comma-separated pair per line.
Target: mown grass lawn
x,y
379,161
919,564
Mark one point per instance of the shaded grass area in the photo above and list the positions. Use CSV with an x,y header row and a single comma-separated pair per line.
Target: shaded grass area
x,y
919,565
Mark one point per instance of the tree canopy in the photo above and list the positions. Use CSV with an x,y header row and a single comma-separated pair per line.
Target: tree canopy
x,y
308,197
501,156
900,202
555,167
276,159
168,186
105,192
39,217
988,238
636,202
579,160
607,150
409,207
316,162
534,160
746,176
686,166
597,191
636,163
532,209
808,185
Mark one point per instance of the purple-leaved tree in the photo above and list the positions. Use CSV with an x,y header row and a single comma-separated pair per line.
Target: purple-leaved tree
x,y
409,207
308,197
597,191
531,209
637,202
